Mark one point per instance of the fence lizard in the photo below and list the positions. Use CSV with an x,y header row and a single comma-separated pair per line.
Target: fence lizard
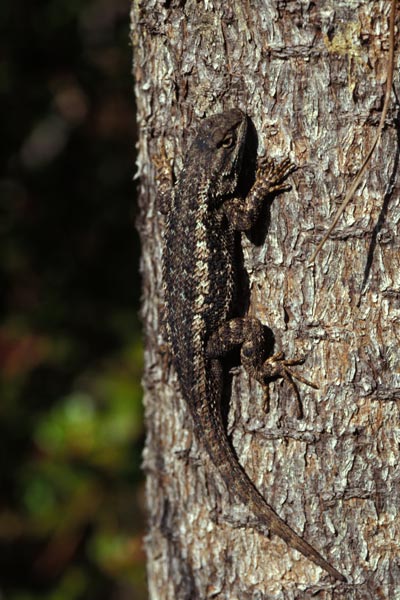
x,y
202,218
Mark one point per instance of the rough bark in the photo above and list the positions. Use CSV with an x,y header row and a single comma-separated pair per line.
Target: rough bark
x,y
311,76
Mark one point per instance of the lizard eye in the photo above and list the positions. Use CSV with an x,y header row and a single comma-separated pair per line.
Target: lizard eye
x,y
228,141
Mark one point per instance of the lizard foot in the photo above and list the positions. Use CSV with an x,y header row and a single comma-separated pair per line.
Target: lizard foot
x,y
277,366
271,175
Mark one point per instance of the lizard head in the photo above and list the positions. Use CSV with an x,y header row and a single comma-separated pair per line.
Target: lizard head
x,y
219,144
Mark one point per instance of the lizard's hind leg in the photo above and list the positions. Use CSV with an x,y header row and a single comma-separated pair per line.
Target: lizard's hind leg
x,y
250,334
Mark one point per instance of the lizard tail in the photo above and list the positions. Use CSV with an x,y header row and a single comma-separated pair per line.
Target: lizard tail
x,y
211,432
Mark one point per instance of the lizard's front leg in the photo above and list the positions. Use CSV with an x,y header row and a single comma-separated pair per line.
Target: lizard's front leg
x,y
250,334
270,176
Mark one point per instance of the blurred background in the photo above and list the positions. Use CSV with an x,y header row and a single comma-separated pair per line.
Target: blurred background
x,y
71,433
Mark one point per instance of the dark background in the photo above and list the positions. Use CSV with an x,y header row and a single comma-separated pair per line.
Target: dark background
x,y
71,520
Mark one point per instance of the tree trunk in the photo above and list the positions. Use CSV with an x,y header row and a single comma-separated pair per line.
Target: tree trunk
x,y
311,76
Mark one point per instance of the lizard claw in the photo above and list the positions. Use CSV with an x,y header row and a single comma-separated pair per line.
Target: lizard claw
x,y
273,174
277,366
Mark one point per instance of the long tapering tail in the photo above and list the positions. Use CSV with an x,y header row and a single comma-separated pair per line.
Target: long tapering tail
x,y
210,430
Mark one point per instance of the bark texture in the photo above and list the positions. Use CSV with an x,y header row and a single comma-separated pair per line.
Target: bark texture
x,y
311,76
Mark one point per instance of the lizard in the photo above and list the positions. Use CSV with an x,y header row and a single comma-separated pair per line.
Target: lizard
x,y
203,218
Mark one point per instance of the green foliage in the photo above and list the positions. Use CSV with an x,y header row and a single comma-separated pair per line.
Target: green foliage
x,y
72,518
